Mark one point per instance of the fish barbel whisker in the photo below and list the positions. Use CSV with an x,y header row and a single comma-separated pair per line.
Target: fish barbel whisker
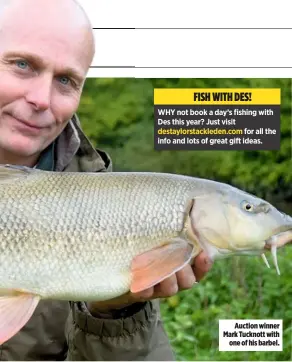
x,y
265,260
274,252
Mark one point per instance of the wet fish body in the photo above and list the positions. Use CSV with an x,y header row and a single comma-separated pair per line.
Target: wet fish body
x,y
73,236
95,236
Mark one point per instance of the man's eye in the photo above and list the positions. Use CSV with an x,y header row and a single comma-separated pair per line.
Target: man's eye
x,y
64,80
21,64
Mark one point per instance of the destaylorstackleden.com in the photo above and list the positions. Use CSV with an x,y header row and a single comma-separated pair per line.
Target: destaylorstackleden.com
x,y
201,131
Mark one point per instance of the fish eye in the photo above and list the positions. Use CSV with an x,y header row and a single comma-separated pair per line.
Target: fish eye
x,y
247,206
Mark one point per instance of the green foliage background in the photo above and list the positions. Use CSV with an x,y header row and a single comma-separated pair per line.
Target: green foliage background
x,y
117,115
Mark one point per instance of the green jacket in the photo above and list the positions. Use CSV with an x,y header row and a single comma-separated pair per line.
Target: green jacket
x,y
61,330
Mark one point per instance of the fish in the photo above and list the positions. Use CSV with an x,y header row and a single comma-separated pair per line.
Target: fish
x,y
96,236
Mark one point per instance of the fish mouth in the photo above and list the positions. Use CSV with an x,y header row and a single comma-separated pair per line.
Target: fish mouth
x,y
281,237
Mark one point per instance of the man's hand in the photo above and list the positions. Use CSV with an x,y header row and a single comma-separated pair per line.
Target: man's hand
x,y
183,279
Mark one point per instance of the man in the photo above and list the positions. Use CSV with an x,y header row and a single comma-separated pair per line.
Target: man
x,y
46,48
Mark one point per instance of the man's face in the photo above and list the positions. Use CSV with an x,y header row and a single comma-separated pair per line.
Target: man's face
x,y
43,64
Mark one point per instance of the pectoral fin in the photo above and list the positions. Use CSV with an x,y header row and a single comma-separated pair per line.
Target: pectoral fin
x,y
152,267
15,311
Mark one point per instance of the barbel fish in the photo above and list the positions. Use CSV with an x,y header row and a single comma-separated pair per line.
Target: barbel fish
x,y
95,236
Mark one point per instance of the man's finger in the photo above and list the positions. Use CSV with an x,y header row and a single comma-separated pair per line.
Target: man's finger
x,y
143,295
166,288
202,264
185,278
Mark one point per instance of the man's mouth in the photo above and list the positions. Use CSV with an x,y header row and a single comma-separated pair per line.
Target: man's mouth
x,y
26,125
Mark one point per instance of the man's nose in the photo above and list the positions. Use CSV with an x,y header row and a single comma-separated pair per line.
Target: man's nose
x,y
39,93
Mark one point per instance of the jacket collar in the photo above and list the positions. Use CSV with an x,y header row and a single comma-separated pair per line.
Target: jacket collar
x,y
73,141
